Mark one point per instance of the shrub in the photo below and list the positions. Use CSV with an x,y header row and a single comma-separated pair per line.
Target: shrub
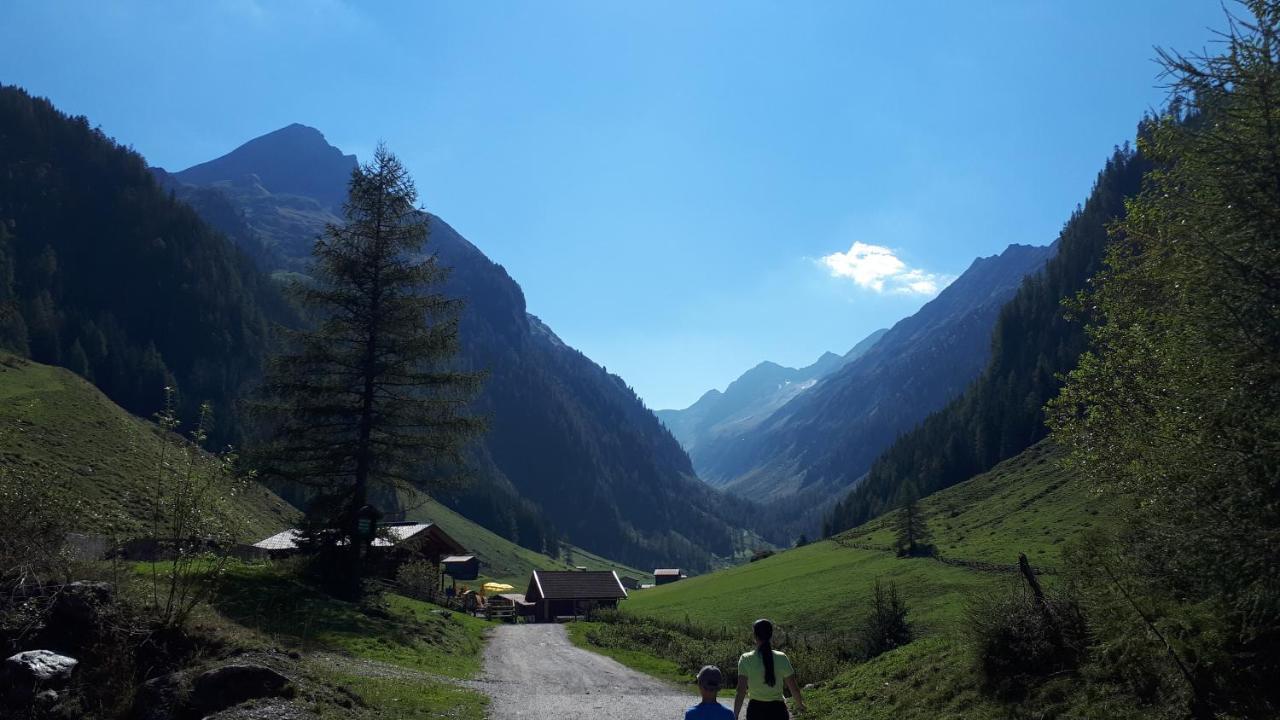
x,y
190,517
1020,638
33,548
420,579
885,627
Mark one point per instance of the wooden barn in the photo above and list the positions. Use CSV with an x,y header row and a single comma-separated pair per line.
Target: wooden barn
x,y
662,576
572,593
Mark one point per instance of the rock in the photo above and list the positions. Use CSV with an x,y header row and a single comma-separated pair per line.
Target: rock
x,y
47,697
160,697
43,667
33,670
80,602
230,685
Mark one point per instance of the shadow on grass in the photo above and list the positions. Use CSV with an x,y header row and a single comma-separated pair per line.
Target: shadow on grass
x,y
270,601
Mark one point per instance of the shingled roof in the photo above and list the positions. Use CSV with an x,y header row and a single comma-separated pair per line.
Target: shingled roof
x,y
575,585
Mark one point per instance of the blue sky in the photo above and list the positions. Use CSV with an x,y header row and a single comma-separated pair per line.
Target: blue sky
x,y
683,189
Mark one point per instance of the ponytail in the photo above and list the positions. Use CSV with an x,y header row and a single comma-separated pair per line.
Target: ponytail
x,y
763,630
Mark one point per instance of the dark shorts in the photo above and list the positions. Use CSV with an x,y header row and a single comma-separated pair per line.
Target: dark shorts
x,y
776,710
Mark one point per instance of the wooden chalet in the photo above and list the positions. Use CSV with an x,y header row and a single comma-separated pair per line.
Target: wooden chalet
x,y
557,594
397,542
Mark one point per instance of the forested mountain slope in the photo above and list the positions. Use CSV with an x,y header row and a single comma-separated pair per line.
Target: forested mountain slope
x,y
823,440
104,273
571,450
1001,413
750,399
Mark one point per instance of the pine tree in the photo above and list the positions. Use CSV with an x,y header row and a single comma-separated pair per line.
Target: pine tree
x,y
911,530
885,626
367,399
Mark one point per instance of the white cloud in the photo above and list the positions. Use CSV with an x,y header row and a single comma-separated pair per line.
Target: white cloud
x,y
877,268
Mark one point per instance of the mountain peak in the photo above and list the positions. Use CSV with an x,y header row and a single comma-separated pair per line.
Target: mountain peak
x,y
294,160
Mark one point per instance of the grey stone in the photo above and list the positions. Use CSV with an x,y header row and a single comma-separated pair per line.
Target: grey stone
x,y
160,697
230,685
34,670
40,667
79,603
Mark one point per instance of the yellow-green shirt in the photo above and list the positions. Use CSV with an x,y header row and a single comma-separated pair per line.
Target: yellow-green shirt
x,y
751,666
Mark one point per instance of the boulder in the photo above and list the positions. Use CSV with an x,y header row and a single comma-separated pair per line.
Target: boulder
x,y
229,685
33,670
160,698
78,604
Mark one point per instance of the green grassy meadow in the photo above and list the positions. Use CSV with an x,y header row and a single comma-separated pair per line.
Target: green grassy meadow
x,y
1027,504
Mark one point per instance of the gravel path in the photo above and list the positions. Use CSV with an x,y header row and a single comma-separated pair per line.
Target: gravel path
x,y
533,672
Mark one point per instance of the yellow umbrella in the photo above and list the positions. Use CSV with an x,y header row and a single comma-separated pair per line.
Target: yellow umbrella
x,y
498,587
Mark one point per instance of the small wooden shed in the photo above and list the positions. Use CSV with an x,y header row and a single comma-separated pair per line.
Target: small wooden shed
x,y
462,567
572,593
662,576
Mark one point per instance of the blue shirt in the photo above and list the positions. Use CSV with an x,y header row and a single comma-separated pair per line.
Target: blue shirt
x,y
708,711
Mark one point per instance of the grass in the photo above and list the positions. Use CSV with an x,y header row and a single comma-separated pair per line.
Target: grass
x,y
1027,504
403,632
397,634
821,587
394,699
93,456
664,668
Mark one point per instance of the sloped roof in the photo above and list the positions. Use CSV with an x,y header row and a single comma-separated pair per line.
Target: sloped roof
x,y
576,584
399,532
287,540
667,571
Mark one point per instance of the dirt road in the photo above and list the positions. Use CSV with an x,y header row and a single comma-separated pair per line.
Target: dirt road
x,y
533,672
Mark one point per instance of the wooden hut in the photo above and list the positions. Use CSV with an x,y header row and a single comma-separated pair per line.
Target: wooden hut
x,y
662,576
572,593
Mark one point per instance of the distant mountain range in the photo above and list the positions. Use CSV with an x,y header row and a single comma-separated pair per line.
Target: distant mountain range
x,y
571,449
810,450
750,399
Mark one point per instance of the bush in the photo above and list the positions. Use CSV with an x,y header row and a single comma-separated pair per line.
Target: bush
x,y
33,535
420,579
885,627
190,516
1020,640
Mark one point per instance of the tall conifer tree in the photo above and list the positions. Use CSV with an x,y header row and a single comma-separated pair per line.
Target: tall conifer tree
x,y
911,531
368,400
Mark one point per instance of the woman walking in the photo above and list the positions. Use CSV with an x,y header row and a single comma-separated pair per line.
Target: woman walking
x,y
761,676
